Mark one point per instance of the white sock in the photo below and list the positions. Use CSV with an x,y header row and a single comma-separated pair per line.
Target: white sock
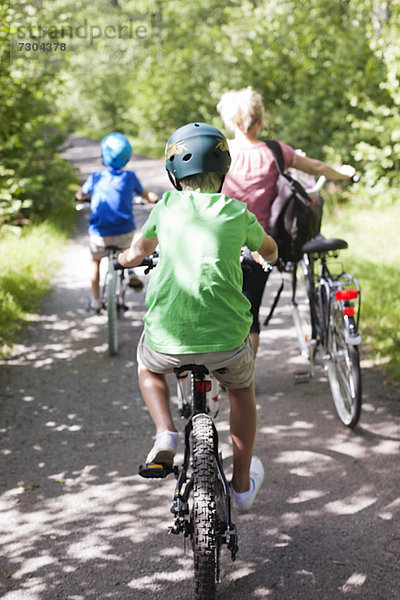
x,y
167,438
245,495
95,302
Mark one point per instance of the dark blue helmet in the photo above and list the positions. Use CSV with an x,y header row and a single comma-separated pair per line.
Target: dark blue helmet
x,y
197,148
115,150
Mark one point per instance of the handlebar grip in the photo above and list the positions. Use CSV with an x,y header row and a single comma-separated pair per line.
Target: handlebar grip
x,y
146,262
268,266
150,262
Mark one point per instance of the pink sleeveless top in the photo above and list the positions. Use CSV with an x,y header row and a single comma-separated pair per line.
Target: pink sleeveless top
x,y
253,176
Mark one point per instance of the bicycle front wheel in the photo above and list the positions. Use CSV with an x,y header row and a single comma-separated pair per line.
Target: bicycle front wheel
x,y
204,509
112,313
344,373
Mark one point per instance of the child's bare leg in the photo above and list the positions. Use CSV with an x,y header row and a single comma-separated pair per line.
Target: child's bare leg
x,y
243,423
155,391
95,278
255,340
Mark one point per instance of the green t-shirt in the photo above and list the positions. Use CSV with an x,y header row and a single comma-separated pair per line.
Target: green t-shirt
x,y
194,299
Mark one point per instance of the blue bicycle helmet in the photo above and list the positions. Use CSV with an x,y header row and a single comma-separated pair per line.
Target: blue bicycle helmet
x,y
197,148
115,150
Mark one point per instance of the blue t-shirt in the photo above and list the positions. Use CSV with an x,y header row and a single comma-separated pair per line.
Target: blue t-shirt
x,y
111,211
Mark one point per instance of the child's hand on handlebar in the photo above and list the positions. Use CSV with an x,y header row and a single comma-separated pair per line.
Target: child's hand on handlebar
x,y
152,197
267,266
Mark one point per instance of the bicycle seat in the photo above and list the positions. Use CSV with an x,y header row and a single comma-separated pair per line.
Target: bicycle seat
x,y
114,248
321,244
197,369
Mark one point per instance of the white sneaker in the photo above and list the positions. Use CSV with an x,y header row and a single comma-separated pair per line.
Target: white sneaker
x,y
164,448
245,500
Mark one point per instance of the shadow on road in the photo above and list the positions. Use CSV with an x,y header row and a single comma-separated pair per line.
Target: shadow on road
x,y
77,522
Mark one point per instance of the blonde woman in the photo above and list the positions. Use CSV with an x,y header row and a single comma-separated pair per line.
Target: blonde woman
x,y
253,177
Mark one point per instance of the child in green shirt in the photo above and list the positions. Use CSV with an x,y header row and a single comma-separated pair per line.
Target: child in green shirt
x,y
197,312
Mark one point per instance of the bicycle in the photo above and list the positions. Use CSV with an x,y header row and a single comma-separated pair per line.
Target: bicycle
x,y
112,294
113,299
326,313
202,502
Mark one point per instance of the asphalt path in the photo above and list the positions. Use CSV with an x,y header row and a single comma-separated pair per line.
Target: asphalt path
x,y
78,523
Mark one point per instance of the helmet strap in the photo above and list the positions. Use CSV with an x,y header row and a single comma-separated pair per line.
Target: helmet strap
x,y
222,183
175,182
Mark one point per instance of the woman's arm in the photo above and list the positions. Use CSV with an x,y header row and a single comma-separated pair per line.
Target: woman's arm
x,y
133,256
318,168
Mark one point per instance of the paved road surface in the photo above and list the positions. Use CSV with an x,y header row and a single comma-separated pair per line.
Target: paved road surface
x,y
77,523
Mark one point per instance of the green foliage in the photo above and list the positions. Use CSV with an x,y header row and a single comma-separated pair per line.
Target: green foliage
x,y
328,71
377,129
33,179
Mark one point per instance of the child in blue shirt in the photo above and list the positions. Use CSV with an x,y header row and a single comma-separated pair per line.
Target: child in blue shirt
x,y
111,221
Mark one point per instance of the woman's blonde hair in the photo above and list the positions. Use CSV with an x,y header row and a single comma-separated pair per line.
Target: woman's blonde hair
x,y
241,108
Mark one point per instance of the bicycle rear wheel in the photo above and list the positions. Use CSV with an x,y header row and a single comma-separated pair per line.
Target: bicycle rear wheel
x,y
302,307
112,313
344,372
204,508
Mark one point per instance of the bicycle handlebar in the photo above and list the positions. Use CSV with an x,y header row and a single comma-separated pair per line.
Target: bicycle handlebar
x,y
317,186
321,182
149,262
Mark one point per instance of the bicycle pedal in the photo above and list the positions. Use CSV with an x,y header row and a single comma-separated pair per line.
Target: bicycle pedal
x,y
155,470
136,285
302,376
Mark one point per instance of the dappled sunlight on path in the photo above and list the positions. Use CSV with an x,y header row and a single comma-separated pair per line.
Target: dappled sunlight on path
x,y
78,523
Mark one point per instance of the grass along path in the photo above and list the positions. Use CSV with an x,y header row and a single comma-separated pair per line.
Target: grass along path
x,y
28,261
374,258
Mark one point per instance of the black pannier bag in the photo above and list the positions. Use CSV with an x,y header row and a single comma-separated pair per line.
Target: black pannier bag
x,y
294,218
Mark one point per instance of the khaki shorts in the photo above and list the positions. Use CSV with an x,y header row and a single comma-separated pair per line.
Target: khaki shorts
x,y
97,244
233,368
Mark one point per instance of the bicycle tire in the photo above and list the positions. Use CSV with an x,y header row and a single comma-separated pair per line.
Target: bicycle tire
x,y
112,313
220,508
204,508
344,374
302,311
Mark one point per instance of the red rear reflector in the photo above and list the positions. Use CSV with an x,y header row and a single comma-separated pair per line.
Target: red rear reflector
x,y
202,386
348,311
346,294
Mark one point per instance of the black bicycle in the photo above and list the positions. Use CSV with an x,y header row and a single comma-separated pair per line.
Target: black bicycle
x,y
202,501
326,303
